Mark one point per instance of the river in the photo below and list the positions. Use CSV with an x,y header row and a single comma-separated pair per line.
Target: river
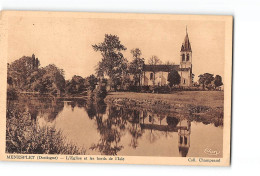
x,y
110,129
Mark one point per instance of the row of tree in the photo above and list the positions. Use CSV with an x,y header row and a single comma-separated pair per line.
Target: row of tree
x,y
26,75
210,82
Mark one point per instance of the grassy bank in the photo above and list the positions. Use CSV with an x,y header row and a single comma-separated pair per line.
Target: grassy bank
x,y
212,99
201,106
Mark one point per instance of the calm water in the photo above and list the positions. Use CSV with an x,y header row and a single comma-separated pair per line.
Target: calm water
x,y
113,130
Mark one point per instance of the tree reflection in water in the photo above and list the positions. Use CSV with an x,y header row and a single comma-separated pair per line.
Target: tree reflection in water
x,y
47,107
118,121
111,130
113,122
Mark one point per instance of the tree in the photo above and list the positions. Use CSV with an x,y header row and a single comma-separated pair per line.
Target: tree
x,y
75,85
113,62
91,82
20,71
174,78
137,65
218,81
154,60
206,79
49,79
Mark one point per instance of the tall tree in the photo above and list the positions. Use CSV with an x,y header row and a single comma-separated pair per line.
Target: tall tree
x,y
91,82
174,78
20,71
206,79
113,62
75,85
137,65
218,81
154,60
49,79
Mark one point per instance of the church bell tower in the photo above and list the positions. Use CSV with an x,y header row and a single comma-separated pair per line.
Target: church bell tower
x,y
186,53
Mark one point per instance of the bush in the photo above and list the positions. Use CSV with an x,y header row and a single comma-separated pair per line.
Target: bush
x,y
24,136
11,94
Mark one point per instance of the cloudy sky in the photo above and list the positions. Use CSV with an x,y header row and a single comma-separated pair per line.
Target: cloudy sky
x,y
67,42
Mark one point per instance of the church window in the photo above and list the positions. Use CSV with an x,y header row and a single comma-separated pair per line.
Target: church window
x,y
181,140
185,140
184,81
151,76
183,57
188,57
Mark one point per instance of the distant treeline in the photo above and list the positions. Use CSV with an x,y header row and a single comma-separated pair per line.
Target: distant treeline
x,y
26,76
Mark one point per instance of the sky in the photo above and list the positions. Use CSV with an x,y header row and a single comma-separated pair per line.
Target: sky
x,y
67,41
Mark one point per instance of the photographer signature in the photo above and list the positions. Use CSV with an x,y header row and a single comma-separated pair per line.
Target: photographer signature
x,y
211,152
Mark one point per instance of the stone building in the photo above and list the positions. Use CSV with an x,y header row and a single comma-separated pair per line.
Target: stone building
x,y
158,74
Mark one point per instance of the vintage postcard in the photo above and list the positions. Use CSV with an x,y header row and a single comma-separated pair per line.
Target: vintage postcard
x,y
115,88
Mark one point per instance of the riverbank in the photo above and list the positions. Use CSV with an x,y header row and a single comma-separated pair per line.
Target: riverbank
x,y
212,99
25,136
195,104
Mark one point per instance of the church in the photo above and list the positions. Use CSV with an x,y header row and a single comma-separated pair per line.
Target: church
x,y
158,74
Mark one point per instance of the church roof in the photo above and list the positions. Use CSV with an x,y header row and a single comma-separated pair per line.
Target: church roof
x,y
186,43
156,68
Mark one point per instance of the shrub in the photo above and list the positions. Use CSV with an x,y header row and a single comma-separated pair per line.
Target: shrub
x,y
11,94
24,136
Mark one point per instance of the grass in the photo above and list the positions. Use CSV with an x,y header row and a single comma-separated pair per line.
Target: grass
x,y
212,99
201,106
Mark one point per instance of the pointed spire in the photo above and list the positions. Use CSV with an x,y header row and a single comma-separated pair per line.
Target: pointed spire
x,y
186,43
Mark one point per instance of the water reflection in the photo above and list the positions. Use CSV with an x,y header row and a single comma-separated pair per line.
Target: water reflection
x,y
126,130
184,132
43,106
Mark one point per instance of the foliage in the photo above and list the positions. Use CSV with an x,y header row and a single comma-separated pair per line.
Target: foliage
x,y
218,81
19,71
49,79
24,136
91,82
24,74
11,94
206,79
136,66
75,85
113,62
101,91
174,78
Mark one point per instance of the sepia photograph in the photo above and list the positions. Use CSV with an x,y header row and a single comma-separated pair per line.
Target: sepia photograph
x,y
130,85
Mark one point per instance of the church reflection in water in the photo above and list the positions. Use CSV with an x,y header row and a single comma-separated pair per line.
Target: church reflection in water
x,y
168,123
115,122
184,131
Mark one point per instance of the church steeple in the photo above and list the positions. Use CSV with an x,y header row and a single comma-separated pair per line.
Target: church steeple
x,y
186,43
186,52
186,61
